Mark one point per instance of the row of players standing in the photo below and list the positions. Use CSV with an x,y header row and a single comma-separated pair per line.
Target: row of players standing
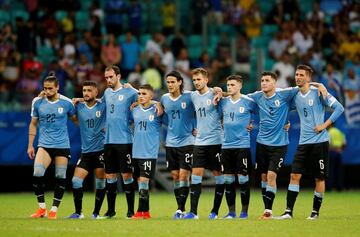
x,y
230,156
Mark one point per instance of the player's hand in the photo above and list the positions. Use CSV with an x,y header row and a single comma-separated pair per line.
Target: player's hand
x,y
41,94
127,85
216,99
194,132
319,128
159,109
133,105
287,126
250,126
75,101
31,152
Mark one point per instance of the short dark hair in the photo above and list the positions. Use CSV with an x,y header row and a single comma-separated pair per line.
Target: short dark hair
x,y
306,68
178,77
237,78
52,78
147,87
90,83
201,71
116,69
271,74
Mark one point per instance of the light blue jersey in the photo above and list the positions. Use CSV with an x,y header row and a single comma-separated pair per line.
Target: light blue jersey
x,y
236,117
117,126
92,124
146,133
273,113
311,110
180,119
52,119
207,119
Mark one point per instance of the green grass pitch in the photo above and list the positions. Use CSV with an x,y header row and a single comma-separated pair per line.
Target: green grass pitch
x,y
340,216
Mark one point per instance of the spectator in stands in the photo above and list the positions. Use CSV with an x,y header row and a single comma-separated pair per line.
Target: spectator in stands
x,y
349,47
130,55
153,45
82,70
95,26
332,80
277,46
253,22
68,23
152,76
337,144
200,9
315,13
291,10
135,78
134,12
111,51
204,61
286,71
96,10
168,13
114,10
177,43
70,49
168,59
182,65
96,74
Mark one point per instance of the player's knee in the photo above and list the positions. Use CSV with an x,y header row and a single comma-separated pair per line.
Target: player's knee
x,y
295,177
77,182
126,176
60,171
229,179
243,179
100,183
39,170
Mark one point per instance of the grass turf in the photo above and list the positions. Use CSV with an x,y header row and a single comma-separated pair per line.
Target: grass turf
x,y
339,216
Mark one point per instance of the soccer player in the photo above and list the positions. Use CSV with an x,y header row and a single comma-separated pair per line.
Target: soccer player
x,y
207,149
272,139
180,120
50,115
312,154
118,139
91,116
236,112
146,146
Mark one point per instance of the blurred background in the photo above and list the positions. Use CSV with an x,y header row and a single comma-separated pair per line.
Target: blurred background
x,y
147,39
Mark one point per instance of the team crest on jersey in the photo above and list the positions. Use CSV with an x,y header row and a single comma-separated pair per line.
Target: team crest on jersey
x,y
311,102
241,110
121,97
208,102
183,105
151,117
60,110
277,103
98,114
